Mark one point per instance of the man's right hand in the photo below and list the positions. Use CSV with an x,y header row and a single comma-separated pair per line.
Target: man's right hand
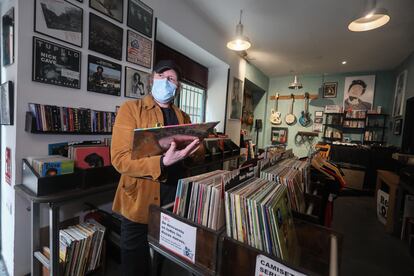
x,y
173,155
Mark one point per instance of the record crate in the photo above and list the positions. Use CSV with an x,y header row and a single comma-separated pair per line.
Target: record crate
x,y
207,242
317,253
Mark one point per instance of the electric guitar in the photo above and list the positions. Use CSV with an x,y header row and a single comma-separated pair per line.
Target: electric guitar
x,y
290,118
305,119
276,116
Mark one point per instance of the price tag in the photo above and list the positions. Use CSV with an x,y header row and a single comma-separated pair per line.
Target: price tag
x,y
266,266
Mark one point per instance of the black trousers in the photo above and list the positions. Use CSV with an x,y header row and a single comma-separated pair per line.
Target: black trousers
x,y
135,256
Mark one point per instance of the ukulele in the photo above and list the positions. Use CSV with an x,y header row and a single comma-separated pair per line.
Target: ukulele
x,y
290,118
305,119
276,116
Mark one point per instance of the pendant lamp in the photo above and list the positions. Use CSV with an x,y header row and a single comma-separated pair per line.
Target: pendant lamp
x,y
240,42
295,84
372,18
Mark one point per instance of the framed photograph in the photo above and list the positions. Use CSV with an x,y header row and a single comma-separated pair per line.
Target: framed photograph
x,y
400,85
318,120
279,135
359,93
139,49
136,83
330,89
59,19
6,103
105,37
318,114
8,37
140,17
236,99
317,127
104,76
113,8
56,64
398,126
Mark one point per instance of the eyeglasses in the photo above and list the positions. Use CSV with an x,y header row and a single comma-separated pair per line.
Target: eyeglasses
x,y
170,78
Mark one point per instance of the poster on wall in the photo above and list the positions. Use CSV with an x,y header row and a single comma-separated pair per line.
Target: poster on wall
x,y
236,99
105,37
114,8
59,19
8,37
359,93
139,49
8,170
397,109
140,17
104,76
6,103
136,83
56,64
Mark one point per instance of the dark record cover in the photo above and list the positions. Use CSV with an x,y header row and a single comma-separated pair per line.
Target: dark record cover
x,y
104,76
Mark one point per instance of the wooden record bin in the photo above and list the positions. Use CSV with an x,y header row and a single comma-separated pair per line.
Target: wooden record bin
x,y
318,253
206,253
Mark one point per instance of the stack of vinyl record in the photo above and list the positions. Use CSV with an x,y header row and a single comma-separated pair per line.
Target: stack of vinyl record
x,y
258,214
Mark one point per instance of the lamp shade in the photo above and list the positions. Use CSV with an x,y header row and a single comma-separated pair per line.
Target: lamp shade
x,y
240,42
295,84
372,18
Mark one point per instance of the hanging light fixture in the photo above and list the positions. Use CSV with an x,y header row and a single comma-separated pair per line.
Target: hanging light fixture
x,y
295,84
240,42
372,18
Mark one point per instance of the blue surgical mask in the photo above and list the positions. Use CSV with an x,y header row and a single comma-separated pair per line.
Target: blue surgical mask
x,y
163,90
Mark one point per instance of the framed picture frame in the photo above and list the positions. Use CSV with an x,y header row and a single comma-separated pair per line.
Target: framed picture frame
x,y
113,9
318,120
139,49
279,135
136,83
398,126
56,64
105,37
399,94
7,103
318,114
140,17
8,37
359,93
59,19
329,89
236,99
104,76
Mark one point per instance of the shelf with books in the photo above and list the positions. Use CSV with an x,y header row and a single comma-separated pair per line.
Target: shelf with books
x,y
333,125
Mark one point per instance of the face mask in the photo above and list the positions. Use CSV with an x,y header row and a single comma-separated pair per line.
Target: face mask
x,y
163,90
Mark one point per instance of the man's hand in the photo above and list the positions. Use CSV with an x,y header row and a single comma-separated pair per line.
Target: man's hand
x,y
173,155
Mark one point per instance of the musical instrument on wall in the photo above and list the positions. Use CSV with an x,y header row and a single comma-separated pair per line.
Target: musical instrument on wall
x,y
305,120
276,116
290,118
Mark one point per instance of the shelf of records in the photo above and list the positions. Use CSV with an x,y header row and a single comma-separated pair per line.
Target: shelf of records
x,y
249,213
50,119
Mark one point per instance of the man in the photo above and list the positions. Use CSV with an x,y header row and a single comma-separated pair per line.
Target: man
x,y
141,182
98,77
355,91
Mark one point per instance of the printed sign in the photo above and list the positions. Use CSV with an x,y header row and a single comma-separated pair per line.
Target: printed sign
x,y
382,206
178,237
266,266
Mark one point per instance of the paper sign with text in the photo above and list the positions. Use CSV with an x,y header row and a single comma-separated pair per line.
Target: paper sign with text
x,y
178,237
268,267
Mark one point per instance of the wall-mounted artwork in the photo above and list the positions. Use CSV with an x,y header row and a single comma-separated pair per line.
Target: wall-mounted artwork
x,y
398,126
56,64
8,163
140,17
7,103
136,83
104,76
105,37
397,109
139,49
236,99
279,135
329,89
8,37
359,93
59,19
113,8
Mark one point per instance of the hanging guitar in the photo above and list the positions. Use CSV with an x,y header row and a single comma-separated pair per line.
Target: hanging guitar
x,y
305,119
276,116
290,118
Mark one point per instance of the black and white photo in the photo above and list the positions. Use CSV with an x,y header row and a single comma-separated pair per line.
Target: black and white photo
x,y
136,83
56,64
140,17
6,103
104,76
236,99
399,94
139,49
8,37
330,89
59,19
105,37
359,93
112,8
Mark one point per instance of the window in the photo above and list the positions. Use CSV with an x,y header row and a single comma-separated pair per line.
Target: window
x,y
192,102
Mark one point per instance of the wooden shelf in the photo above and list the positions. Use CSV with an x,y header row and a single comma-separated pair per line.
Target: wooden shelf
x,y
297,97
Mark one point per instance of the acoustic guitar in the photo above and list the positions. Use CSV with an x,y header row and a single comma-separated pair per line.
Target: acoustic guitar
x,y
305,120
276,116
290,118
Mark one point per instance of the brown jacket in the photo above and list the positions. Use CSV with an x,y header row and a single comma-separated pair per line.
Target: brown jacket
x,y
134,193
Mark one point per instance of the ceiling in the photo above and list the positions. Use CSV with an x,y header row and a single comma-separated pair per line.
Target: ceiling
x,y
311,36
